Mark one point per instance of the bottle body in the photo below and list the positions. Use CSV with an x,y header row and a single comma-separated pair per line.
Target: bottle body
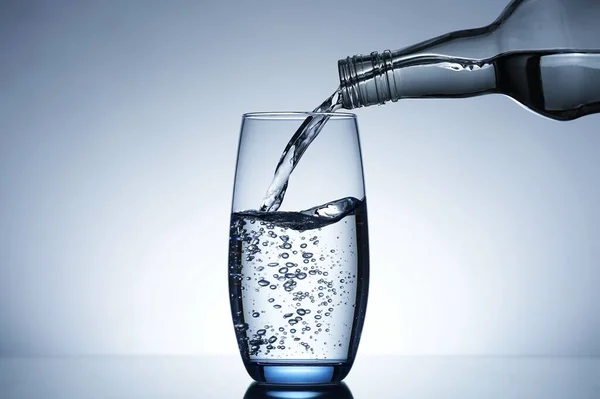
x,y
543,53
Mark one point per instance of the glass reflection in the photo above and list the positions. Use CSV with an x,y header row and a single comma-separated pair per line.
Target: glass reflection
x,y
259,391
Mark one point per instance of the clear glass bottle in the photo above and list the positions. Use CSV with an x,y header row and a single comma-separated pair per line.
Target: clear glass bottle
x,y
545,54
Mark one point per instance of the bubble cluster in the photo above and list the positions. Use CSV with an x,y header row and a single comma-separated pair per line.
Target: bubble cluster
x,y
299,290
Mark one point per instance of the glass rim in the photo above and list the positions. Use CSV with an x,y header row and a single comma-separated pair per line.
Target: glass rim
x,y
296,115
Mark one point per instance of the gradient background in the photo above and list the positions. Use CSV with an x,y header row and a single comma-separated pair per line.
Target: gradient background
x,y
119,124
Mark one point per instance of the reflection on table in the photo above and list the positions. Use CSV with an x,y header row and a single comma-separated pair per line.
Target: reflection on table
x,y
337,391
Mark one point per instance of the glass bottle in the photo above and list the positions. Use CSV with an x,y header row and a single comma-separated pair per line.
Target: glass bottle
x,y
545,54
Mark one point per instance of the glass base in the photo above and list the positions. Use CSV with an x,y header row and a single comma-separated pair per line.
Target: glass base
x,y
295,373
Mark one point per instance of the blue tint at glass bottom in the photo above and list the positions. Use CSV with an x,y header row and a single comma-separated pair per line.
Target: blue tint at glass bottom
x,y
298,374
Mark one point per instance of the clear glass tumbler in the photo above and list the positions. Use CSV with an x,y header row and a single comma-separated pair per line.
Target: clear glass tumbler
x,y
298,277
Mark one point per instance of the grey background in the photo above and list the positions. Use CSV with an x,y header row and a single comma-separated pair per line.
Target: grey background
x,y
119,124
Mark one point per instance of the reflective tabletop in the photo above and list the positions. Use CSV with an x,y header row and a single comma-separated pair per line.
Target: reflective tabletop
x,y
372,377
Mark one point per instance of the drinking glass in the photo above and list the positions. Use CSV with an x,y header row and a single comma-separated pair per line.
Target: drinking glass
x,y
298,276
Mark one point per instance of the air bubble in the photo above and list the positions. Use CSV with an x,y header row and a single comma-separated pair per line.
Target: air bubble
x,y
307,255
261,332
263,283
255,314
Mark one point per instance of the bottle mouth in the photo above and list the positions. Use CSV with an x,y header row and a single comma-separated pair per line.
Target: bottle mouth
x,y
366,80
348,89
297,115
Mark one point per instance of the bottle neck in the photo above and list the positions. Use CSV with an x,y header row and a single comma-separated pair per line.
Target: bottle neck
x,y
379,78
365,80
448,66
